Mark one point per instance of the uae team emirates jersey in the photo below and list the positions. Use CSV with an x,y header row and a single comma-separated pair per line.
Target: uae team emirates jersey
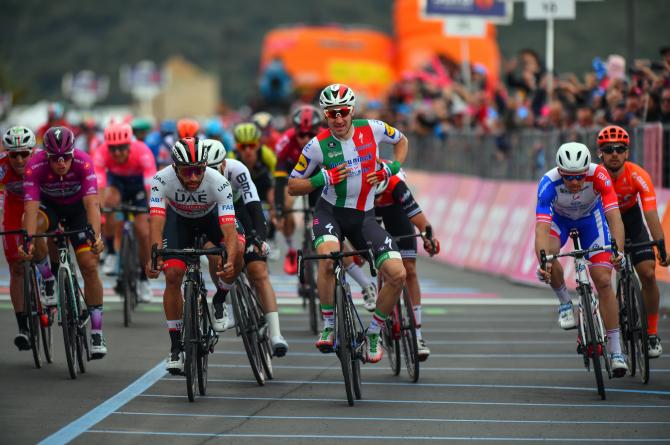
x,y
361,154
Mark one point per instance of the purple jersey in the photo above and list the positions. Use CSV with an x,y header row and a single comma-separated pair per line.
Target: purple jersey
x,y
41,183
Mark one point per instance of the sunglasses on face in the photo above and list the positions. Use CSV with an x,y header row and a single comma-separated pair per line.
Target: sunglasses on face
x,y
117,148
61,157
306,135
610,150
244,147
19,154
191,170
574,177
334,113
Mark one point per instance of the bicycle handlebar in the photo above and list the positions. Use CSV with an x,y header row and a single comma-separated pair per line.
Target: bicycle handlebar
x,y
156,252
124,208
659,243
335,256
544,258
88,230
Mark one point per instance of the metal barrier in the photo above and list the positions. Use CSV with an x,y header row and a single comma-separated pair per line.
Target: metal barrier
x,y
526,154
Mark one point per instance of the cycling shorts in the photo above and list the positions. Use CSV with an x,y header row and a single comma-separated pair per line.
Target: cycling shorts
x,y
593,232
243,217
12,220
636,231
181,232
397,223
131,188
71,217
335,223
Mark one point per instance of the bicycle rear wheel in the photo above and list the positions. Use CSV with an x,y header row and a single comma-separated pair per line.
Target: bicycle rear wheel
x,y
627,342
264,347
31,306
203,346
247,329
344,349
590,342
312,297
391,344
47,334
129,276
190,333
640,337
68,324
408,335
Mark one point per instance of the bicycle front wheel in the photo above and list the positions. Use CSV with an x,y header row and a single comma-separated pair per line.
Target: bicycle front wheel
x,y
247,329
312,296
627,341
590,342
128,276
203,346
47,336
408,335
31,306
638,322
83,325
191,340
344,349
67,320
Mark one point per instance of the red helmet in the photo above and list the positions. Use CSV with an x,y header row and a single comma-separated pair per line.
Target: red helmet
x,y
118,134
187,128
307,119
613,134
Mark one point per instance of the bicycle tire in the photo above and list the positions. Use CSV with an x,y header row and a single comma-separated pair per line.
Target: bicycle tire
x,y
312,296
264,347
190,341
354,341
246,329
640,335
31,310
128,264
392,345
627,342
408,331
343,343
203,347
83,354
590,342
66,296
47,335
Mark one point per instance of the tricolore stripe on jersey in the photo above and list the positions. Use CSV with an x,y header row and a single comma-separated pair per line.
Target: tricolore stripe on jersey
x,y
333,155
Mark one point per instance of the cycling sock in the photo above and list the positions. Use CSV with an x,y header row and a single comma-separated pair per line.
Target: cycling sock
x,y
109,244
272,319
613,340
378,320
174,328
44,267
358,275
22,321
95,313
328,314
563,294
652,324
219,297
417,319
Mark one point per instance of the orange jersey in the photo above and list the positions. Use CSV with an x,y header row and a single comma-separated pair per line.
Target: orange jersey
x,y
632,181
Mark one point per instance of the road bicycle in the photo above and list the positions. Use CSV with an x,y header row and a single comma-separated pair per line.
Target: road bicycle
x,y
250,324
129,260
349,332
73,317
632,312
592,340
40,317
198,335
307,290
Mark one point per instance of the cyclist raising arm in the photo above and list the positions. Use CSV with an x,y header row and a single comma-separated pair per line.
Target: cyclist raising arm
x,y
347,156
579,194
188,199
631,180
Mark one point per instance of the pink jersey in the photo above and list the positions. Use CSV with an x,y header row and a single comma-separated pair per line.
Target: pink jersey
x,y
140,162
41,183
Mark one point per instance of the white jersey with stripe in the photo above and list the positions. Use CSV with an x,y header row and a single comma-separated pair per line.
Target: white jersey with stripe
x,y
240,178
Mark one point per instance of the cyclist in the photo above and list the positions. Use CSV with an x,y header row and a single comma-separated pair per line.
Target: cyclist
x,y
214,129
124,168
345,157
19,142
631,180
60,184
55,118
89,138
269,136
261,162
396,207
187,199
579,194
187,128
249,212
141,127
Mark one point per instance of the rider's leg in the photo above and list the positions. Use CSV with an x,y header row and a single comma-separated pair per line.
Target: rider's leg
x,y
412,284
609,307
646,270
257,272
173,304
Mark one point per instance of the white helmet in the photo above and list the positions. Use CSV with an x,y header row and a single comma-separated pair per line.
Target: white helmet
x,y
216,152
337,95
573,157
189,151
18,138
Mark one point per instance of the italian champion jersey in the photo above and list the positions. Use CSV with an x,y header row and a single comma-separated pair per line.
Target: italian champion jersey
x,y
361,154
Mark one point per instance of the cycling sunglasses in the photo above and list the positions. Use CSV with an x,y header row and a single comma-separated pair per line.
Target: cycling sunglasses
x,y
574,177
19,154
620,149
115,148
306,135
244,147
58,157
190,170
334,113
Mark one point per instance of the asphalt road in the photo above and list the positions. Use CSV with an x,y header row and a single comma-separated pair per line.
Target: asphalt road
x,y
500,371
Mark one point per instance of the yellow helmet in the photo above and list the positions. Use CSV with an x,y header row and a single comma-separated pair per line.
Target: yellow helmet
x,y
247,133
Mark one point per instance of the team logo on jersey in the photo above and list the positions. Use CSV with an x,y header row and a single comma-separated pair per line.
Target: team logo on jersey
x,y
303,161
331,144
334,154
389,130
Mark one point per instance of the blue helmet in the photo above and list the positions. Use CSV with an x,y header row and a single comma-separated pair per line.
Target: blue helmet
x,y
168,127
214,127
